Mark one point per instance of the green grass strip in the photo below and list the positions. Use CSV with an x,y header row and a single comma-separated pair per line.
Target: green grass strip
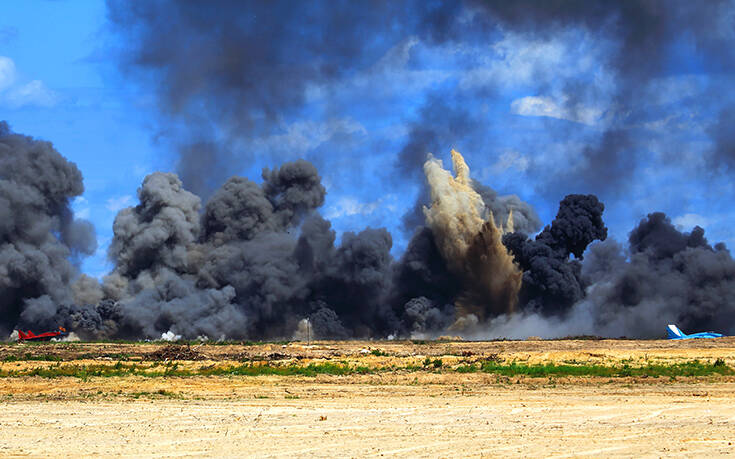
x,y
155,371
692,368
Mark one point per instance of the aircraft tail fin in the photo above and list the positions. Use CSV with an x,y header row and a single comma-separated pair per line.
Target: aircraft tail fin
x,y
674,332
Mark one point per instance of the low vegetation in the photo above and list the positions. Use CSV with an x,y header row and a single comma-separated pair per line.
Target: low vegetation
x,y
174,370
30,357
513,369
693,368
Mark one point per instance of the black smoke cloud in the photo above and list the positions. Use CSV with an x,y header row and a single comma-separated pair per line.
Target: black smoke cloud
x,y
642,38
39,237
665,276
254,262
226,72
251,260
552,282
259,259
235,70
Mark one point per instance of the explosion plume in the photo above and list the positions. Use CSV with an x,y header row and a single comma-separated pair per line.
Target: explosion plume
x,y
470,241
259,261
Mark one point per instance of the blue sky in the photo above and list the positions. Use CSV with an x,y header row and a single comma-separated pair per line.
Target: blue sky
x,y
62,88
59,81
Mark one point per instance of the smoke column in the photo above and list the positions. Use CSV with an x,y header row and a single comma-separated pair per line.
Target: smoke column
x,y
258,260
40,240
206,253
248,68
470,241
552,282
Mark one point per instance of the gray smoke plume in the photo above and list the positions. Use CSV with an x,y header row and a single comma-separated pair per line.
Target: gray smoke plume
x,y
294,190
157,256
259,261
39,236
255,63
551,281
663,276
668,277
325,323
640,38
237,211
253,260
158,233
427,319
253,264
247,66
422,271
525,219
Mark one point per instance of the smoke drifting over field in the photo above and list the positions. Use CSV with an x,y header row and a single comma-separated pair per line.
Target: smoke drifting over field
x,y
227,72
663,276
206,252
258,259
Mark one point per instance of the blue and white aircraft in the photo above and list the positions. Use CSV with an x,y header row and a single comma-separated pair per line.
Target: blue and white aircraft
x,y
675,333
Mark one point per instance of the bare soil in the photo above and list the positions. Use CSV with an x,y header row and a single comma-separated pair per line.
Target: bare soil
x,y
340,349
401,414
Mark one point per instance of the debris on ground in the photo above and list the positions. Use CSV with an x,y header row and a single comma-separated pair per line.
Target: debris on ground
x,y
175,352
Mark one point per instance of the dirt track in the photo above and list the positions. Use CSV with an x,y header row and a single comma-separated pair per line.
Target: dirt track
x,y
422,414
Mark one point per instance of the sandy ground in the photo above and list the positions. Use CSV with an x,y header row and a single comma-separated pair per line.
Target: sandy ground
x,y
328,420
421,414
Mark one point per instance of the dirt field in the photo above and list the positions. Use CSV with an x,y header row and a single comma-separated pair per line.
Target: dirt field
x,y
433,412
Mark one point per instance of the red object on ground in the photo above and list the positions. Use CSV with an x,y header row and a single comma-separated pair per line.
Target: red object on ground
x,y
30,336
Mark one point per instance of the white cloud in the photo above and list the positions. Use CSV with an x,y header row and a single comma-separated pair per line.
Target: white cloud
x,y
545,106
397,57
7,72
80,205
302,136
16,95
516,61
659,124
348,206
118,203
511,159
689,221
32,93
